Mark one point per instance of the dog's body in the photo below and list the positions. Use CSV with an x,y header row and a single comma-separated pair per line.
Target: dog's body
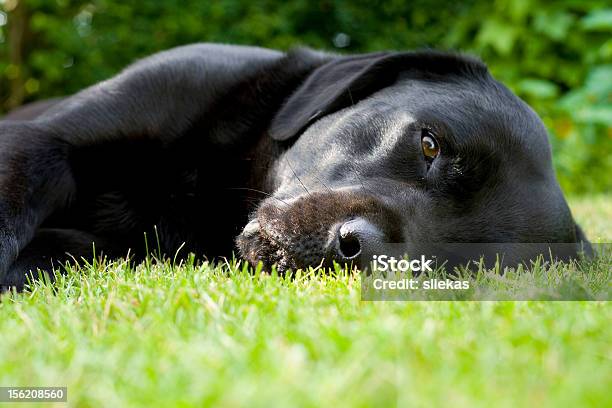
x,y
321,155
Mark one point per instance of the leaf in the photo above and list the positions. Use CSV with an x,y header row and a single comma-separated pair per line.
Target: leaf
x,y
599,20
599,80
498,35
596,114
539,88
554,25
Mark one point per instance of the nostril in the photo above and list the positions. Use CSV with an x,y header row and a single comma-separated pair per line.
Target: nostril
x,y
349,245
356,238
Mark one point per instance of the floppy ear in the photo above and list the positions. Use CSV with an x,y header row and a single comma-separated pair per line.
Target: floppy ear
x,y
344,81
331,87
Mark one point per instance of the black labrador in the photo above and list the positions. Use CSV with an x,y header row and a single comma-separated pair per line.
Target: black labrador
x,y
321,156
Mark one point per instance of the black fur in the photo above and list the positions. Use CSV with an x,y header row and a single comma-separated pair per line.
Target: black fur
x,y
191,144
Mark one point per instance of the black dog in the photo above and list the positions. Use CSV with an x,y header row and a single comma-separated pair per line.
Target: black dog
x,y
320,156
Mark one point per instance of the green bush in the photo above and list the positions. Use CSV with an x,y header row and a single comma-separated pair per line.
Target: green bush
x,y
555,55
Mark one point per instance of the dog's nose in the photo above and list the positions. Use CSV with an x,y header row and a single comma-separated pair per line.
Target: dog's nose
x,y
355,238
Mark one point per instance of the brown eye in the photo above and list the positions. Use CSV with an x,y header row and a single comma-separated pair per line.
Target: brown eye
x,y
430,146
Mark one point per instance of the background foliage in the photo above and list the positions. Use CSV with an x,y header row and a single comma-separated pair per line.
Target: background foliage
x,y
555,55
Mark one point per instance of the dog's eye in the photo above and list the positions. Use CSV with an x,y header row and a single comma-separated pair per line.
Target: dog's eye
x,y
431,148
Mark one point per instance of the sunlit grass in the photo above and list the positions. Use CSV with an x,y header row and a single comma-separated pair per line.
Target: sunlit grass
x,y
194,335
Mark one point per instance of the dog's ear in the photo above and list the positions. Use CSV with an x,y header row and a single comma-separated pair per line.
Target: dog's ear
x,y
331,87
344,81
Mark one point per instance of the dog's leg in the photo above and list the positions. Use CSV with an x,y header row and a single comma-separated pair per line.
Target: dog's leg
x,y
51,249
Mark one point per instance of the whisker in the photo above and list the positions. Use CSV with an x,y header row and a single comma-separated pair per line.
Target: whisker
x,y
322,183
352,167
296,176
350,96
259,191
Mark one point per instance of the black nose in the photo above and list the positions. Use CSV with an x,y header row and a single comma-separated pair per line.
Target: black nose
x,y
355,238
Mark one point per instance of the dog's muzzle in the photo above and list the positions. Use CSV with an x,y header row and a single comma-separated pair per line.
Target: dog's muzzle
x,y
318,229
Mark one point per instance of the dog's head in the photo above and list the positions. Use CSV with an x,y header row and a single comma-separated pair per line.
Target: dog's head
x,y
405,147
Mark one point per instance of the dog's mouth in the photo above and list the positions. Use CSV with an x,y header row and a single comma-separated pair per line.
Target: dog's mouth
x,y
315,230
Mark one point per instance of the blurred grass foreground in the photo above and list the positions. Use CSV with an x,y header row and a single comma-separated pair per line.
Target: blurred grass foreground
x,y
555,55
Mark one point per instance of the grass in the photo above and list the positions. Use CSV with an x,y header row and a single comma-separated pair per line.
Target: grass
x,y
199,335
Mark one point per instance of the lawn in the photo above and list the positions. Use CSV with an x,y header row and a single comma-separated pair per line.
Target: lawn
x,y
199,335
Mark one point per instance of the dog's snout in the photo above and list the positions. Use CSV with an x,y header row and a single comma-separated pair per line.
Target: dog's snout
x,y
355,238
317,229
